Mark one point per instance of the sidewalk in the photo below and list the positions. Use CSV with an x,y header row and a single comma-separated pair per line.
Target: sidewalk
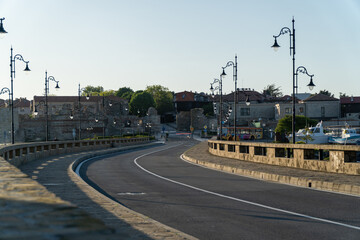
x,y
56,174
342,183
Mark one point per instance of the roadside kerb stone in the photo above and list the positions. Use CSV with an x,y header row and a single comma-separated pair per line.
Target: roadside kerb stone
x,y
152,228
309,179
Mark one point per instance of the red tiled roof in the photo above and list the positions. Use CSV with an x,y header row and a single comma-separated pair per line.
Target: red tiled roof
x,y
185,97
349,100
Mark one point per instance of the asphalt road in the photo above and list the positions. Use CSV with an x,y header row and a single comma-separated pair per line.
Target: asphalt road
x,y
208,204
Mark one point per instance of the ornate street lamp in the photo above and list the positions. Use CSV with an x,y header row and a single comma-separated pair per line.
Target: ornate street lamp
x,y
231,63
303,70
47,81
276,46
12,76
80,90
2,30
212,89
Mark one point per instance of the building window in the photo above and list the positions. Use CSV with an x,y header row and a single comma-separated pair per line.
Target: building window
x,y
287,110
245,111
301,109
322,111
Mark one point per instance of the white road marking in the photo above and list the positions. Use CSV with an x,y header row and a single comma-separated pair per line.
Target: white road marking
x,y
237,199
130,193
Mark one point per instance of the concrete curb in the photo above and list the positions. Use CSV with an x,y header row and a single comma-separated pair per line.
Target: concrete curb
x,y
297,181
140,222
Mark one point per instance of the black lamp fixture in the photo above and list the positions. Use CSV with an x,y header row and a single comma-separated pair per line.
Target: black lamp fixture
x,y
247,101
2,30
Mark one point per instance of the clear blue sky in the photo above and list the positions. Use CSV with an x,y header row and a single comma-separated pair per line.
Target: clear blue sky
x,y
180,44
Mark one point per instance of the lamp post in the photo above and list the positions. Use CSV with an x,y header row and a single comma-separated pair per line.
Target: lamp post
x,y
80,90
2,30
276,46
47,81
12,76
220,107
3,91
231,63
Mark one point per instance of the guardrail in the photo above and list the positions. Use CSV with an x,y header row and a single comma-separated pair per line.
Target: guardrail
x,y
326,158
19,154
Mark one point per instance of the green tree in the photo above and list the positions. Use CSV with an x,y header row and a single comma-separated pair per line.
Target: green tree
x,y
326,92
163,98
285,124
91,90
208,109
125,93
140,103
108,93
273,91
343,95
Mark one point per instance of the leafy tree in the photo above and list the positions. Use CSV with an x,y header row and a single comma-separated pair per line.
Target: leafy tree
x,y
285,124
163,98
343,95
108,93
91,90
125,93
326,92
273,91
140,103
208,109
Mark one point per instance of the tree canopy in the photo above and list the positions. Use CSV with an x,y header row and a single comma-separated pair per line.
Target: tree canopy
x,y
326,92
285,124
91,90
273,91
125,92
163,98
140,103
342,95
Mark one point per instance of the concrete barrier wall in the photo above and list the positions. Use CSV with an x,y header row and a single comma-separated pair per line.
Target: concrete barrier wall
x,y
19,154
326,158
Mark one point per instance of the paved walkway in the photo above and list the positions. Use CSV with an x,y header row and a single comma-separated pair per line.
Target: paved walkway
x,y
56,174
326,181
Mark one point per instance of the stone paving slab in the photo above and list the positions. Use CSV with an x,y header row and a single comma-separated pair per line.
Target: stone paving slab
x,y
29,211
349,184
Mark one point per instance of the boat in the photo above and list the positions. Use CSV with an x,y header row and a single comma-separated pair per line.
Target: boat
x,y
312,135
348,136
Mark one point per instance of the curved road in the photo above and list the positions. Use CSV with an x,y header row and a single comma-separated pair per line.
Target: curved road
x,y
208,204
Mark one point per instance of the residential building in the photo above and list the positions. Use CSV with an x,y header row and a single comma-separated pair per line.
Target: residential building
x,y
185,101
350,106
318,106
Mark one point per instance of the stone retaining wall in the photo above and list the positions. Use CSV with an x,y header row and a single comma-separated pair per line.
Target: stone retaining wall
x,y
325,158
21,153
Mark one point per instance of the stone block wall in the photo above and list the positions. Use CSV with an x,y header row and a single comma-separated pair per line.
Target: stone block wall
x,y
325,158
